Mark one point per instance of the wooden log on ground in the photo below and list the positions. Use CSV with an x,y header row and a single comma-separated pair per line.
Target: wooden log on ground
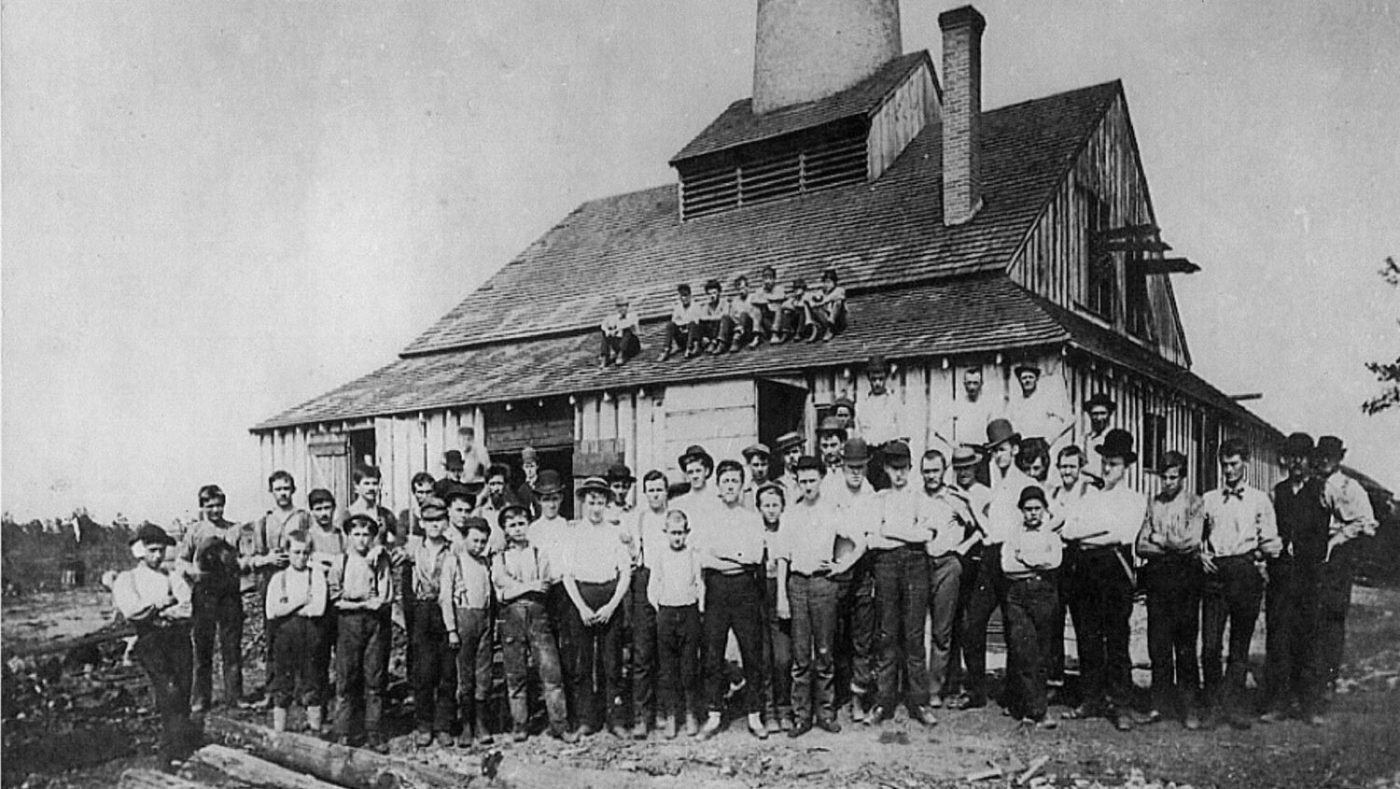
x,y
355,768
155,779
250,770
37,648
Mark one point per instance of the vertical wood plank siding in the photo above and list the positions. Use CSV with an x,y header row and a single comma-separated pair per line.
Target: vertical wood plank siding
x,y
910,107
1053,258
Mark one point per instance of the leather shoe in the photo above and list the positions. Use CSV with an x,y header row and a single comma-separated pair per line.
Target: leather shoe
x,y
829,725
799,729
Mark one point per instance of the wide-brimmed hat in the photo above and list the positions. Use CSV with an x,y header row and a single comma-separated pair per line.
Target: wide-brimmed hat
x,y
619,472
529,455
452,459
1026,367
755,449
896,454
1100,399
151,534
855,451
509,510
548,482
1000,431
1330,447
807,463
433,509
876,365
1298,445
1118,443
696,452
843,400
965,455
593,485
831,425
789,440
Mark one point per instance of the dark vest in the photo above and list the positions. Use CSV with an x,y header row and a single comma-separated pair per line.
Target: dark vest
x,y
1302,520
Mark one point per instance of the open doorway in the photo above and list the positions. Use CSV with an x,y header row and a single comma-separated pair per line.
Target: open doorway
x,y
782,408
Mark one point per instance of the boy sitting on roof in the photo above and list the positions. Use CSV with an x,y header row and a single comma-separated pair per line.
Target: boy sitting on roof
x,y
682,325
740,318
708,316
827,308
794,313
765,302
619,339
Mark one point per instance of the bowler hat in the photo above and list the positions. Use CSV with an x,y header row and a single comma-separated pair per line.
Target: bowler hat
x,y
1100,399
1330,447
831,425
1027,367
452,459
548,482
965,455
843,401
433,509
593,485
807,463
999,431
619,472
529,455
1298,445
696,452
151,534
1031,493
789,440
876,365
755,449
855,451
1118,443
897,455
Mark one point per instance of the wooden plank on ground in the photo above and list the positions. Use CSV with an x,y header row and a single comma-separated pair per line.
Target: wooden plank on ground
x,y
155,779
251,770
33,648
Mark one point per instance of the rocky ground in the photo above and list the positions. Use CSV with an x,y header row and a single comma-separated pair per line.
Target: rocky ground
x,y
79,720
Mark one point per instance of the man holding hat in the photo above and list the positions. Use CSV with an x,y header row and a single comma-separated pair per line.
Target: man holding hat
x,y
878,419
1350,516
551,535
857,512
790,447
1038,411
1099,410
158,604
758,460
901,592
1103,528
1293,654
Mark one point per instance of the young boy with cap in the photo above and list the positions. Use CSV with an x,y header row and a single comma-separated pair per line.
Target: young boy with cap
x,y
521,576
1029,558
827,308
597,570
361,585
736,328
1104,527
700,504
1170,542
677,593
681,330
434,669
790,447
708,316
465,601
792,319
366,501
296,601
766,299
807,564
731,551
525,491
901,592
757,458
550,533
1240,534
158,604
618,341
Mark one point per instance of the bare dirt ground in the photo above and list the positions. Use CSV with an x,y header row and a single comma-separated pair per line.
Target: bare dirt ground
x,y
66,724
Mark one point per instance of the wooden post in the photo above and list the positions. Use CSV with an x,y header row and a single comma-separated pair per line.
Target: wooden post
x,y
338,764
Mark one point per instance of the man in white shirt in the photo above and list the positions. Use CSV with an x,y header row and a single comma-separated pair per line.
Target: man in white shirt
x,y
1104,527
856,511
1064,497
1099,411
877,420
701,503
965,488
1039,410
970,414
949,518
1350,516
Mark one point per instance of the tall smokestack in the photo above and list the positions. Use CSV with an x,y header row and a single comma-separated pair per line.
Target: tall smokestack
x,y
962,110
809,49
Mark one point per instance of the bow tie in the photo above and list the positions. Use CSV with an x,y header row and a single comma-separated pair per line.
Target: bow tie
x,y
1236,492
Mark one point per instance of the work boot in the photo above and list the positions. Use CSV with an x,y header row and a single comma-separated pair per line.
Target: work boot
x,y
314,721
692,725
756,726
668,727
483,732
640,729
279,718
712,724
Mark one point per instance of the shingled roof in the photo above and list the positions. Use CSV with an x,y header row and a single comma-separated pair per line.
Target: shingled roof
x,y
738,125
887,233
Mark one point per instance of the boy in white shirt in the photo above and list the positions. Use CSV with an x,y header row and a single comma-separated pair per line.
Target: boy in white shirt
x,y
296,602
1029,559
676,591
619,335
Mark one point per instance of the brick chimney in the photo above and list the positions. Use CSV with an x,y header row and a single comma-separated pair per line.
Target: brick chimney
x,y
962,111
809,49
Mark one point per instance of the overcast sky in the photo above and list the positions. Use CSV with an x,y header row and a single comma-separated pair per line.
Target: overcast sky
x,y
213,211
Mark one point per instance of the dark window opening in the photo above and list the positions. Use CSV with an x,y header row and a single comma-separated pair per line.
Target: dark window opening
x,y
1100,268
1139,307
1154,440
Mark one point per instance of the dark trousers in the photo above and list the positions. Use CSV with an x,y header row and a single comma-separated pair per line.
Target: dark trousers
x,y
165,654
793,321
1293,668
944,581
988,595
643,646
855,631
901,595
967,582
299,640
620,347
1231,596
732,602
678,337
735,331
1173,585
1030,614
360,671
222,617
813,601
829,318
434,669
597,655
525,633
1102,605
561,612
1055,661
1333,600
473,660
703,333
678,634
777,656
